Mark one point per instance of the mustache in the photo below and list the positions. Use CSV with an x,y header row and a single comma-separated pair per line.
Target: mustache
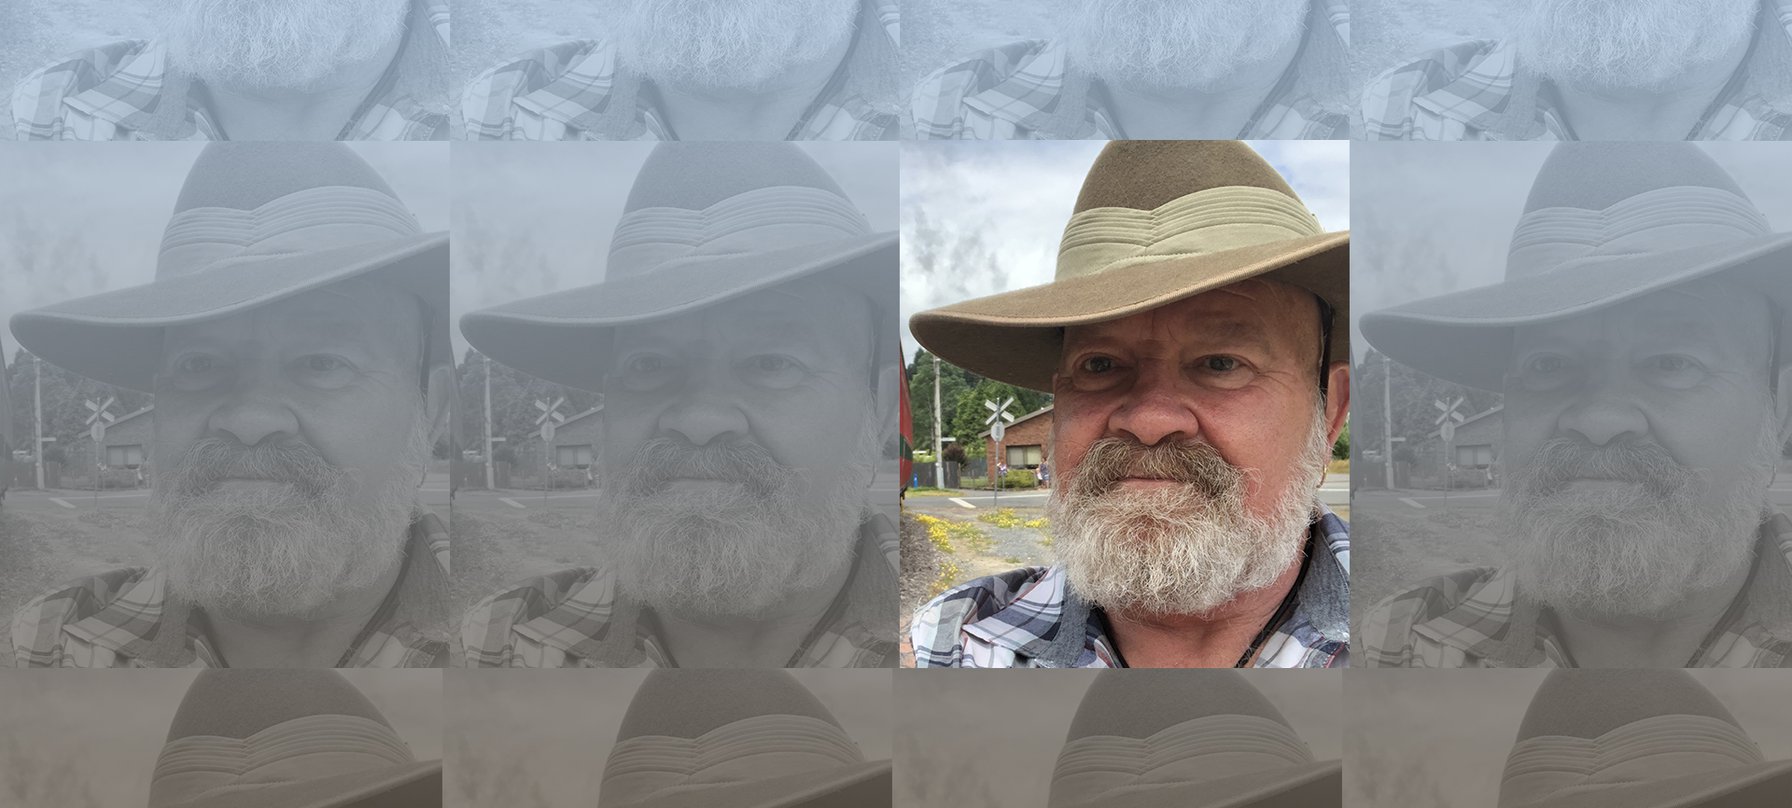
x,y
660,460
1110,460
213,460
1561,460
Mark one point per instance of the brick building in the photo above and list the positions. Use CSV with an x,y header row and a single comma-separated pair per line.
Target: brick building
x,y
575,445
1025,443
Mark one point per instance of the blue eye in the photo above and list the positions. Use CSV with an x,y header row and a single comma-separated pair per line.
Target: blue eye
x,y
1098,365
1220,364
775,371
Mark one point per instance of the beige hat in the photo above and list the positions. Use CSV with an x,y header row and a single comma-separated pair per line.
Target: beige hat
x,y
1156,222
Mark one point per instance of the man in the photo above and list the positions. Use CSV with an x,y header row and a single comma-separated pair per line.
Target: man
x,y
253,70
742,343
1198,387
1638,339
295,342
1600,70
1141,69
703,70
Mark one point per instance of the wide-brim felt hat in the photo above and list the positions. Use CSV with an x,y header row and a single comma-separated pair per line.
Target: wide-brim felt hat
x,y
1156,222
287,738
254,223
740,738
1187,739
1636,739
1603,224
703,224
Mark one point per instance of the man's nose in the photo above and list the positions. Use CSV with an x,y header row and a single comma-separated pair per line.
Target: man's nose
x,y
253,419
1603,413
704,418
1157,409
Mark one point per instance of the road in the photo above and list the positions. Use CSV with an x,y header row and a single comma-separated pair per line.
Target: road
x,y
1335,492
26,500
1483,499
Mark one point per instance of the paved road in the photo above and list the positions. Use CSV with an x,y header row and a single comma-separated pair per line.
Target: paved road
x,y
1481,499
477,501
1335,492
434,490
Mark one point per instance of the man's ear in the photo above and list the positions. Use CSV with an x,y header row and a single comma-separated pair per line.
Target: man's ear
x,y
1337,399
436,401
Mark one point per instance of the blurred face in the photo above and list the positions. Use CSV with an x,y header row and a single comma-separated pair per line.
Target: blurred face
x,y
289,444
1187,443
731,44
277,44
738,444
1641,441
1179,43
1637,44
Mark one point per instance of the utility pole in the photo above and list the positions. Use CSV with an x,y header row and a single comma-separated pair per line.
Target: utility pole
x,y
490,485
939,460
37,416
1387,418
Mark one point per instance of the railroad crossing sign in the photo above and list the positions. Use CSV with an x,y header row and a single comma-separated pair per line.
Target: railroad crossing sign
x,y
99,418
999,417
1446,423
550,417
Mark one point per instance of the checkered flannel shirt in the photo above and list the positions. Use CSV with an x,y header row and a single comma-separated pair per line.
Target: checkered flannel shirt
x,y
1029,618
1029,90
126,91
1477,618
1476,90
577,91
126,618
575,618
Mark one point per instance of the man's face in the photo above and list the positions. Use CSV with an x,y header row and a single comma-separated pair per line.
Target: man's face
x,y
1188,441
289,444
256,45
1179,43
1629,44
738,444
731,44
1640,442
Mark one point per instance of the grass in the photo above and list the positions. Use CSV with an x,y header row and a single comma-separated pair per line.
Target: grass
x,y
1007,518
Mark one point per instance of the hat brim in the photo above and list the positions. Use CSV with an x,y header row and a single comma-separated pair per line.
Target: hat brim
x,y
1465,337
115,337
563,337
1761,785
866,785
1016,337
1314,785
414,785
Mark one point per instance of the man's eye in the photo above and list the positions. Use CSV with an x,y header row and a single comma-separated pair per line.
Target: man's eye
x,y
776,371
1671,363
1098,364
324,364
1547,363
646,364
1220,364
195,364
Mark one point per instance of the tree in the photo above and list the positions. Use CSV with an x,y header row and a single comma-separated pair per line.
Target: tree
x,y
1341,449
1415,416
514,394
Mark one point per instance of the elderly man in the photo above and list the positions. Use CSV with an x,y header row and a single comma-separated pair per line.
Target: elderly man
x,y
743,343
703,70
1638,339
1600,70
1198,387
1172,69
253,70
294,340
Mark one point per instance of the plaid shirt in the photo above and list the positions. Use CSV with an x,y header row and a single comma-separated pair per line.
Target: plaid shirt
x,y
575,619
126,618
577,91
126,91
1029,90
1029,618
1477,91
1477,618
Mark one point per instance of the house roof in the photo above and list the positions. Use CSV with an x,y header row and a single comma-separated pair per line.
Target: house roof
x,y
1438,433
1021,420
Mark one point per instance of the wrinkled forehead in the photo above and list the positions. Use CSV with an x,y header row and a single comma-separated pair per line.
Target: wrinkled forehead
x,y
1279,316
1718,314
823,315
360,310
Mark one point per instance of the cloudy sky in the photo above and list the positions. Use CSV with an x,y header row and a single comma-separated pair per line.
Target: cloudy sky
x,y
1001,208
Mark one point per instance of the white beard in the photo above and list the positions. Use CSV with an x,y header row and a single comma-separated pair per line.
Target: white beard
x,y
1184,550
1179,43
731,44
285,551
1630,44
278,44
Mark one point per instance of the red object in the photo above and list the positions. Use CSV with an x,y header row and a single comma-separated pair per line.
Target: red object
x,y
907,451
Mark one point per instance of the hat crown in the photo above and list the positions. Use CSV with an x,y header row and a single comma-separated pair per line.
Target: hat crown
x,y
240,703
245,175
1136,704
685,703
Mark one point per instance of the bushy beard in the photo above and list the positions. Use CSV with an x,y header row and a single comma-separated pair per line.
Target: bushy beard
x,y
286,550
278,44
1179,43
1178,550
732,551
731,44
1637,550
1630,44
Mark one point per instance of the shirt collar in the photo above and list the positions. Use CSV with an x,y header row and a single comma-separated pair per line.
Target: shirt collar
x,y
142,94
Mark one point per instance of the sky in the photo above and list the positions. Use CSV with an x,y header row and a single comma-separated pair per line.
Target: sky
x,y
1004,206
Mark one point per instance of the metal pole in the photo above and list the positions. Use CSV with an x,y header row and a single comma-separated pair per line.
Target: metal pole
x,y
37,418
490,484
1387,418
939,459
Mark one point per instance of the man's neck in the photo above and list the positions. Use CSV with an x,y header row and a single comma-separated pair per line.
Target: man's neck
x,y
1668,112
1216,112
767,641
770,112
317,113
1215,640
1669,641
314,641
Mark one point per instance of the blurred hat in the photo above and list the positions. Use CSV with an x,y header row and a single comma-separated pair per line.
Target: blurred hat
x,y
1636,739
286,738
1187,739
1156,222
1604,223
740,738
704,223
255,223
